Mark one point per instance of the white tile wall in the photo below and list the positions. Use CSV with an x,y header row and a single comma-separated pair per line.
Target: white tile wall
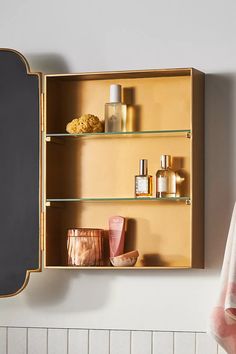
x,y
141,342
205,344
99,342
120,342
57,341
3,341
37,341
82,341
163,342
78,341
17,340
184,343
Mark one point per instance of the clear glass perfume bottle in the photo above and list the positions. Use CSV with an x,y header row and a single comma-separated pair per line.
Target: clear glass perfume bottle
x,y
143,182
165,179
115,111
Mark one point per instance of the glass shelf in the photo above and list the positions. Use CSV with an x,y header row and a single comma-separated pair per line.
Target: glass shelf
x,y
186,132
128,199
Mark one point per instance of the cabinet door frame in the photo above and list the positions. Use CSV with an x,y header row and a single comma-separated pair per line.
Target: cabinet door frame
x,y
39,77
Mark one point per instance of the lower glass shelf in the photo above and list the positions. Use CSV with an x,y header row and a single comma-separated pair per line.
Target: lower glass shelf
x,y
131,199
117,268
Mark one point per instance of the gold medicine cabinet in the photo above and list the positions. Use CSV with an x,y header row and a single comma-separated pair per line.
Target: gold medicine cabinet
x,y
52,181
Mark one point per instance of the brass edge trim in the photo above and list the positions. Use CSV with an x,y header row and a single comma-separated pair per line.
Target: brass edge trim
x,y
169,70
28,72
42,231
42,110
193,73
44,168
119,268
191,169
41,221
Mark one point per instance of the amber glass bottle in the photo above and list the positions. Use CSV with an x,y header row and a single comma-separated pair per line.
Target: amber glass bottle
x,y
165,179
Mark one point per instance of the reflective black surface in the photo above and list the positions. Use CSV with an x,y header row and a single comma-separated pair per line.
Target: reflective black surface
x,y
19,172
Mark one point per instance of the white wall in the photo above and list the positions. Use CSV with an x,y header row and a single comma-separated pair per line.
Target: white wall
x,y
76,35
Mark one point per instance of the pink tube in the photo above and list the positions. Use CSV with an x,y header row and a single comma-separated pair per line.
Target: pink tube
x,y
116,235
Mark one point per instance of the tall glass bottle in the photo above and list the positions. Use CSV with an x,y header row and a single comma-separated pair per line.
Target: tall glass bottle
x,y
115,111
165,179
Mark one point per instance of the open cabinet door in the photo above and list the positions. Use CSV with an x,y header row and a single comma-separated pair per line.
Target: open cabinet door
x,y
20,187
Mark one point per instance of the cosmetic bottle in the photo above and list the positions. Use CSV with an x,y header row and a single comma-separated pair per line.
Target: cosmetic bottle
x,y
116,235
115,111
143,182
165,179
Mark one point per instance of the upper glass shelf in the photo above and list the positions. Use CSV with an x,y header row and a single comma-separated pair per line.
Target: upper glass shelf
x,y
131,199
186,132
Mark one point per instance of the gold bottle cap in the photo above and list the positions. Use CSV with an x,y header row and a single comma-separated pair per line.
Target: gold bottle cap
x,y
165,161
143,167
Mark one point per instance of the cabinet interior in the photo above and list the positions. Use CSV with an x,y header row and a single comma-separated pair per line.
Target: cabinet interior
x,y
104,166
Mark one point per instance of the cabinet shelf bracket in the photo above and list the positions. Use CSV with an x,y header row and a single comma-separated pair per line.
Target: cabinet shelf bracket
x,y
54,140
55,204
188,135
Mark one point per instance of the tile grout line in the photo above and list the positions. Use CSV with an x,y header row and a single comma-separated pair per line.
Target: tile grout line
x,y
7,340
88,340
131,338
109,342
195,343
151,342
67,340
173,342
27,340
47,340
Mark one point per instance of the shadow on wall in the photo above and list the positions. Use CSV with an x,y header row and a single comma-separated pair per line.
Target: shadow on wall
x,y
219,164
71,290
47,63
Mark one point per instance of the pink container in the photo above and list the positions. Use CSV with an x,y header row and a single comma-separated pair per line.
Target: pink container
x,y
85,247
116,235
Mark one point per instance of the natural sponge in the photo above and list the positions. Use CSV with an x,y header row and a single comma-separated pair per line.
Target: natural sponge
x,y
87,123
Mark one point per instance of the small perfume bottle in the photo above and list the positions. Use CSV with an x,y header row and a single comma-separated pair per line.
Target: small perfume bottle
x,y
165,179
115,111
143,182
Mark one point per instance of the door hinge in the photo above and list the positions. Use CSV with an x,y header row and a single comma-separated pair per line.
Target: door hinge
x,y
42,231
42,109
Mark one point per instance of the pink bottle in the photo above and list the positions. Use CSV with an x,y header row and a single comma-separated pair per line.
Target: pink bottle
x,y
116,235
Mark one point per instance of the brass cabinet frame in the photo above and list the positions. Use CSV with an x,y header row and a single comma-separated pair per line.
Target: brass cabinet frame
x,y
196,152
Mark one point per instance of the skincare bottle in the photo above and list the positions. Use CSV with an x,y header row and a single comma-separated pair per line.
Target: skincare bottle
x,y
115,111
143,182
116,235
165,179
